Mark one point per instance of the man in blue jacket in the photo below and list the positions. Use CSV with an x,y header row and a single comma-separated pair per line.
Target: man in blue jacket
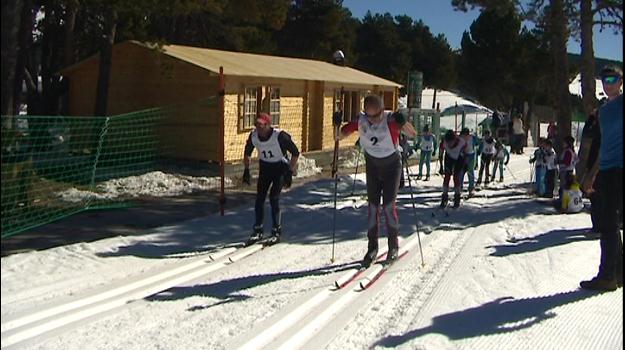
x,y
609,183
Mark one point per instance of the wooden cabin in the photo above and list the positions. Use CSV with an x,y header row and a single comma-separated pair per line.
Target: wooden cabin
x,y
300,94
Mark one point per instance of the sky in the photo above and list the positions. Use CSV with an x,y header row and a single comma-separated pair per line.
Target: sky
x,y
440,16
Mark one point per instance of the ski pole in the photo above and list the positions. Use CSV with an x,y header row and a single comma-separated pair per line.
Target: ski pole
x,y
531,186
510,171
337,130
414,209
356,172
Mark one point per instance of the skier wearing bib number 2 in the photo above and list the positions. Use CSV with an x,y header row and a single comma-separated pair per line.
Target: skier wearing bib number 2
x,y
379,137
275,170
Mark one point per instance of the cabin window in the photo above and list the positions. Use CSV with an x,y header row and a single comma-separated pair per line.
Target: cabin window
x,y
258,99
352,104
274,104
250,107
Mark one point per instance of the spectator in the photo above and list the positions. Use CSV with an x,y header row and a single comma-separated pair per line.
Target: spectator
x,y
550,175
518,134
609,183
552,131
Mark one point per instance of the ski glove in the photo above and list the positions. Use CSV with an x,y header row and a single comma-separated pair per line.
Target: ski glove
x,y
399,118
337,118
288,178
247,179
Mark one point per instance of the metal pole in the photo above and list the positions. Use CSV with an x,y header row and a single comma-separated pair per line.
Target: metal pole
x,y
222,155
414,209
356,172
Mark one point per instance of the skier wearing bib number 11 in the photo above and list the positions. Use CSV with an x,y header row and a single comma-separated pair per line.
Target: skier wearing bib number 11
x,y
275,170
379,137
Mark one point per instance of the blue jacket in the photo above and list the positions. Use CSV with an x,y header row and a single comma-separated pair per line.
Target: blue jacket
x,y
611,124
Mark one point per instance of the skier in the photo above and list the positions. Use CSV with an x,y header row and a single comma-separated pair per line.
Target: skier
x,y
487,151
426,144
502,157
469,160
275,171
540,167
455,147
441,157
551,169
379,137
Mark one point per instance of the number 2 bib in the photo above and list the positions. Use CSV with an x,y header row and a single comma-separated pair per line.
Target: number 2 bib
x,y
376,139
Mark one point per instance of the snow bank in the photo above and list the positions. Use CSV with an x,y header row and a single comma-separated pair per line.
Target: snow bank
x,y
307,167
152,184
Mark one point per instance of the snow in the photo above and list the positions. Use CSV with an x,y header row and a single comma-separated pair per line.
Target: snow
x,y
575,87
160,184
153,184
448,101
445,99
500,272
307,167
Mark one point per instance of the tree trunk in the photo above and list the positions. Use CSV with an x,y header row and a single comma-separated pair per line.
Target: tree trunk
x,y
106,53
588,58
25,40
70,23
559,37
11,13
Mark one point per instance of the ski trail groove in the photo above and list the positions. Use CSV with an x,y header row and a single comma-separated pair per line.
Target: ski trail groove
x,y
28,325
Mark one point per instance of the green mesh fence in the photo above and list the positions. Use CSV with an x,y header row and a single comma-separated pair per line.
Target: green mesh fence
x,y
51,166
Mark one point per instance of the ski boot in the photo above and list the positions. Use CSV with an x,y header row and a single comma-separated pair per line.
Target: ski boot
x,y
256,236
444,200
501,179
456,200
427,178
276,231
371,256
392,255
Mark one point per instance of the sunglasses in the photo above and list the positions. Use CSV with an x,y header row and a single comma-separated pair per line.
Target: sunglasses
x,y
610,79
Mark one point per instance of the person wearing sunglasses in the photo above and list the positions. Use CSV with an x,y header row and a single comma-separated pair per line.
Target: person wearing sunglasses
x,y
275,171
379,138
609,183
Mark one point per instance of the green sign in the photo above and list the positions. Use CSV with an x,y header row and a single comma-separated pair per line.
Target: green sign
x,y
415,87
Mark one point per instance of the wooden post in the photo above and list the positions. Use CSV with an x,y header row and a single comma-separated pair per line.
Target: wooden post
x,y
456,122
222,140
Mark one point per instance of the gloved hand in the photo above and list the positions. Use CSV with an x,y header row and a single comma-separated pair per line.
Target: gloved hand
x,y
247,178
288,178
337,118
399,118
